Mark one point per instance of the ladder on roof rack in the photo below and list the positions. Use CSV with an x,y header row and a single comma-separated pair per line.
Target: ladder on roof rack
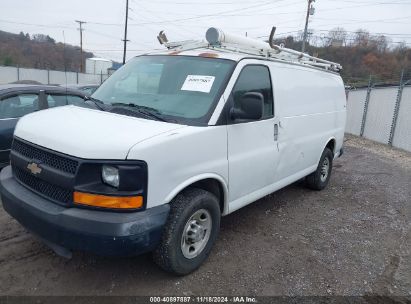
x,y
217,39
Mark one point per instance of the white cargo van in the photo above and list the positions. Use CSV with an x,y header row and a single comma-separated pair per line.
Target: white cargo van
x,y
176,140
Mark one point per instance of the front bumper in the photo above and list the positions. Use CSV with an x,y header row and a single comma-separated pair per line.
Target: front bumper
x,y
100,232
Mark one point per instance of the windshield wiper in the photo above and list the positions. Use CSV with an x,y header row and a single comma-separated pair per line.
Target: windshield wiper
x,y
98,103
147,111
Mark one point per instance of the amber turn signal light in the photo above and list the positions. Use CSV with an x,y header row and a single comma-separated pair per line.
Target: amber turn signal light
x,y
105,201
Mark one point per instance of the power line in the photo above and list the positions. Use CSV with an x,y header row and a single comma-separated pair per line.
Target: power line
x,y
183,30
252,10
224,14
374,3
194,17
205,3
368,21
33,24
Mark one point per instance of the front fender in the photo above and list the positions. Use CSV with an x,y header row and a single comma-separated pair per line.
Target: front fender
x,y
198,178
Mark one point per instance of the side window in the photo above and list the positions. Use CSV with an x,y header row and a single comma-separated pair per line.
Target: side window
x,y
89,91
255,78
18,105
75,100
56,100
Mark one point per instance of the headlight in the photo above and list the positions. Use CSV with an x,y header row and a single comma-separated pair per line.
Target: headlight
x,y
110,176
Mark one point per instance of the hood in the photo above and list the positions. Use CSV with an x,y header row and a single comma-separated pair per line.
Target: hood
x,y
88,133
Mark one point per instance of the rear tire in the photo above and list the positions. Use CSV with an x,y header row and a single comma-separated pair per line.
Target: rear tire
x,y
319,179
190,231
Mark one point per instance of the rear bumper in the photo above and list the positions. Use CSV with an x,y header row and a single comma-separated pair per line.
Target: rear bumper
x,y
100,232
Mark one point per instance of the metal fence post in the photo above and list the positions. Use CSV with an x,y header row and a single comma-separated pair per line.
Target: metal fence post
x,y
396,108
48,76
18,73
101,77
77,77
347,94
367,100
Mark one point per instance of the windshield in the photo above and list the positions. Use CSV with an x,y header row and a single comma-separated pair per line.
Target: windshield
x,y
181,89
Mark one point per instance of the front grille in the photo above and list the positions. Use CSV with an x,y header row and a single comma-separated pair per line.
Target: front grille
x,y
54,192
56,161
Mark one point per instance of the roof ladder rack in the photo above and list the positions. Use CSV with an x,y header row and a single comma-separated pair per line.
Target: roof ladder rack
x,y
217,39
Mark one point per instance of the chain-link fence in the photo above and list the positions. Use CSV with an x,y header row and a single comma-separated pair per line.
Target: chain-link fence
x,y
16,74
356,82
381,111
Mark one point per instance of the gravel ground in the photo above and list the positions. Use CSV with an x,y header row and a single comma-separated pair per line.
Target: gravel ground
x,y
353,238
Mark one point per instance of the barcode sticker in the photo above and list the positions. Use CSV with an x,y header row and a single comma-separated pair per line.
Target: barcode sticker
x,y
198,83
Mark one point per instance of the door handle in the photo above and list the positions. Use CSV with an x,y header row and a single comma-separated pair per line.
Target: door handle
x,y
275,132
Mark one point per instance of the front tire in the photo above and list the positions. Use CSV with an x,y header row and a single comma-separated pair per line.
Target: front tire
x,y
319,179
190,232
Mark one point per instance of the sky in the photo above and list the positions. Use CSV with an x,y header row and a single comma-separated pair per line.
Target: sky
x,y
189,19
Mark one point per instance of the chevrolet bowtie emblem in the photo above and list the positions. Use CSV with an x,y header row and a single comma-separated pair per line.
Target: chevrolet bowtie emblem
x,y
34,168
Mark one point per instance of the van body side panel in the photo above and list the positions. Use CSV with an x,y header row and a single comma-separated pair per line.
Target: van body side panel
x,y
187,154
311,109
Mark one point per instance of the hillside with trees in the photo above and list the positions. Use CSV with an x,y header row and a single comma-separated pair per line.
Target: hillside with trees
x,y
39,52
360,53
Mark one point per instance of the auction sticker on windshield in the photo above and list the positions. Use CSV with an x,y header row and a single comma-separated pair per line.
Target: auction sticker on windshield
x,y
198,83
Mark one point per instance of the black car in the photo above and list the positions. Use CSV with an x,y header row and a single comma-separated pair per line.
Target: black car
x,y
17,100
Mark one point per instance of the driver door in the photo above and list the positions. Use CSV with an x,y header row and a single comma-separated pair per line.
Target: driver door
x,y
252,144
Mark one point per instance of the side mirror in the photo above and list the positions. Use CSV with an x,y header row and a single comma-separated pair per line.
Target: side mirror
x,y
251,107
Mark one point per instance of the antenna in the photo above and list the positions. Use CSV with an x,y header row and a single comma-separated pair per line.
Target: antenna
x,y
65,62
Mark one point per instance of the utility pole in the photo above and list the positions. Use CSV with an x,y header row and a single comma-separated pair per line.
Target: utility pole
x,y
81,43
310,11
125,35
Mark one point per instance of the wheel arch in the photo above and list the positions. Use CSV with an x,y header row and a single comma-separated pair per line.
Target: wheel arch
x,y
211,182
331,144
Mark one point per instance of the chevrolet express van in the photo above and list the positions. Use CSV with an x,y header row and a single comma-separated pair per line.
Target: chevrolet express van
x,y
177,140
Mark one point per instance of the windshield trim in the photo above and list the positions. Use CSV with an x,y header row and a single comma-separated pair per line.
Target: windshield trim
x,y
203,120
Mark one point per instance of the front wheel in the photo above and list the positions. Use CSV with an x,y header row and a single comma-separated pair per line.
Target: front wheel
x,y
319,179
190,232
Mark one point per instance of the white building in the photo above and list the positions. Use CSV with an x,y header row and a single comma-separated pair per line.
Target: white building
x,y
98,65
